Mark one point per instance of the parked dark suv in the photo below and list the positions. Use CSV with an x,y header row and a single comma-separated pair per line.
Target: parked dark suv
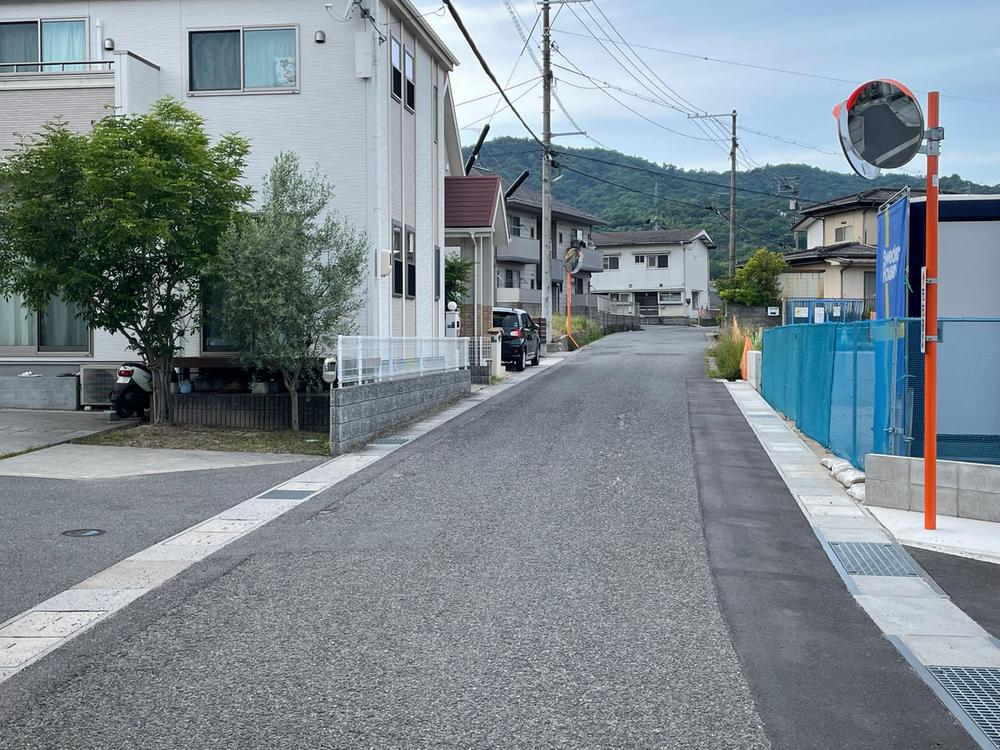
x,y
520,341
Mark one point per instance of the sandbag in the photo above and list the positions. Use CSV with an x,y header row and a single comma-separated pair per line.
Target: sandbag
x,y
849,476
857,492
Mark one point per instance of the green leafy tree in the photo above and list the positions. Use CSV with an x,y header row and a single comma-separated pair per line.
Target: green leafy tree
x,y
122,222
457,271
756,282
290,276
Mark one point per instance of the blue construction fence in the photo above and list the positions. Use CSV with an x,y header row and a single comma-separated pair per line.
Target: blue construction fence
x,y
858,388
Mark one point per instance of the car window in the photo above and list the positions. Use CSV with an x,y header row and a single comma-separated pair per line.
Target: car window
x,y
528,322
507,321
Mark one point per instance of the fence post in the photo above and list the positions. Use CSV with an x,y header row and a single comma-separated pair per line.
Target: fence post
x,y
340,361
360,353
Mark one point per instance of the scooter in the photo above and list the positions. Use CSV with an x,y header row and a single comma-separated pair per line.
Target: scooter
x,y
131,393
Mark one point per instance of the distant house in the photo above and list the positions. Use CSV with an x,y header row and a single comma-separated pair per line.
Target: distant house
x,y
835,255
655,273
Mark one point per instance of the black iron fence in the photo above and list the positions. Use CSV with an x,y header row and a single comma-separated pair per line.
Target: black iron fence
x,y
251,411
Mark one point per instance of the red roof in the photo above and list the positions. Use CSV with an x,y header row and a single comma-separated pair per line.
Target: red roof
x,y
470,202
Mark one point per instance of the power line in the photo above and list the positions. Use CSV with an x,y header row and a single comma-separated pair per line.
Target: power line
x,y
494,93
684,178
506,106
769,68
486,69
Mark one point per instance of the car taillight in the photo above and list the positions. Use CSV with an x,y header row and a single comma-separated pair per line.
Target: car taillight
x,y
516,333
125,372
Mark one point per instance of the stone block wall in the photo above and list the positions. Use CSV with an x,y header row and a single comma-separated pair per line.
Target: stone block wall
x,y
43,392
754,317
361,412
965,490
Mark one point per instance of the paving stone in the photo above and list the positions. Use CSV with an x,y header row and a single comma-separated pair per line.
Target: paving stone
x,y
854,534
893,586
227,525
38,624
905,615
187,554
89,600
14,652
953,651
259,510
134,574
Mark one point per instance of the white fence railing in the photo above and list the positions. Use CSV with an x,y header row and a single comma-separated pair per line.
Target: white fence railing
x,y
373,359
480,350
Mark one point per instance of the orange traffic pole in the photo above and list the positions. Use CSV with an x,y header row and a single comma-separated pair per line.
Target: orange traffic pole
x,y
569,309
931,314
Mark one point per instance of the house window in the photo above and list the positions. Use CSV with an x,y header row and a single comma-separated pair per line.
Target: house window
x,y
56,41
532,231
560,238
640,259
395,55
621,296
397,261
411,90
437,272
657,261
515,226
247,59
508,278
843,234
579,284
670,298
611,262
801,240
57,329
212,340
411,264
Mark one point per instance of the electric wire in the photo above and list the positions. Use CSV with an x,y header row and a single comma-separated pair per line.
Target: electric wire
x,y
486,69
494,93
496,111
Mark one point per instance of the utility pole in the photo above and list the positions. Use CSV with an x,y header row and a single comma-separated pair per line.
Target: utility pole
x,y
732,188
546,172
732,202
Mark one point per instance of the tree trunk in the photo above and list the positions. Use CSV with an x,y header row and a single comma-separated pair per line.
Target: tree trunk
x,y
292,384
161,412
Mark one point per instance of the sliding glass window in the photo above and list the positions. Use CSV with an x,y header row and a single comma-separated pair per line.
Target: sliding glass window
x,y
242,60
56,41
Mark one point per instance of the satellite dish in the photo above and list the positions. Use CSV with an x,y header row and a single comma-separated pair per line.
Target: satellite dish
x,y
573,259
881,126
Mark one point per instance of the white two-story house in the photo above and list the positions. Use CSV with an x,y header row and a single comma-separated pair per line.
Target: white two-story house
x,y
360,89
656,273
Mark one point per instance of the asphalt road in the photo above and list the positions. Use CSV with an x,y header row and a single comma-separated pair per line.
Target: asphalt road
x,y
534,574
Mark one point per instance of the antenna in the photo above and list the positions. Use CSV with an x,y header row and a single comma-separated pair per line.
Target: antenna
x,y
516,184
471,162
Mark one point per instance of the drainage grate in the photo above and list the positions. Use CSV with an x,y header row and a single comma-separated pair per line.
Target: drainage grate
x,y
977,691
874,559
390,441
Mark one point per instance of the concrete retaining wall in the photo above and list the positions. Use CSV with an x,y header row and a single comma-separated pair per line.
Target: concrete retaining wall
x,y
752,317
965,490
359,413
43,392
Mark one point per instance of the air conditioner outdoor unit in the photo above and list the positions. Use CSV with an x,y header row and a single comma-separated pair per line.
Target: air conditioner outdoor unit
x,y
96,383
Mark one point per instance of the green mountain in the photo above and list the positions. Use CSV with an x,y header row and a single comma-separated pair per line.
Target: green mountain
x,y
630,192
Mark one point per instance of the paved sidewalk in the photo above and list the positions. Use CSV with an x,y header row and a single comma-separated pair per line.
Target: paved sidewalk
x,y
25,429
966,537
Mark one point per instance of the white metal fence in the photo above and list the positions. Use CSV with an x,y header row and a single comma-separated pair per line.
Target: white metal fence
x,y
373,359
480,350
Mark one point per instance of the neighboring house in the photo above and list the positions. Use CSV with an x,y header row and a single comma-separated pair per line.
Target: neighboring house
x,y
367,100
476,229
655,273
835,255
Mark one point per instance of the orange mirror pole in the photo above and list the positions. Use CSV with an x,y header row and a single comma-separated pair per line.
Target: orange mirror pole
x,y
931,315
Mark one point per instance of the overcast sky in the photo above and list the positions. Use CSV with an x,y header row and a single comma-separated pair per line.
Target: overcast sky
x,y
953,47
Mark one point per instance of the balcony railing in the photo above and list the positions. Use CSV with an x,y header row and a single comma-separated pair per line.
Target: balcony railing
x,y
71,66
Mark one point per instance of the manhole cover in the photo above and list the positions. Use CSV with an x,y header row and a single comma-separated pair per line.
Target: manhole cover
x,y
83,532
390,441
977,691
874,559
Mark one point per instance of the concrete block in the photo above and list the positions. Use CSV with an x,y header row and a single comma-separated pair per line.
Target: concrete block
x,y
44,392
981,506
947,472
979,477
947,499
909,615
887,468
134,574
893,586
885,494
14,652
41,624
953,651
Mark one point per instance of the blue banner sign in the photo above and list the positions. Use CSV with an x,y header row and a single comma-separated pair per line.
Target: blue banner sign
x,y
891,260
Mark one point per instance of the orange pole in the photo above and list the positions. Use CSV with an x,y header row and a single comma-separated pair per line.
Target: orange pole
x,y
930,352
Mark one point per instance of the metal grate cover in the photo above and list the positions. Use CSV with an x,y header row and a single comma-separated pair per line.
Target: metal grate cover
x,y
390,441
874,559
977,691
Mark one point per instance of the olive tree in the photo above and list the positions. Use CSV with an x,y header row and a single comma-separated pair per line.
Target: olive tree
x,y
123,222
290,275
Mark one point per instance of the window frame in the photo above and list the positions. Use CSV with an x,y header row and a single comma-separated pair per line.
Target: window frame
x,y
37,348
243,90
606,263
39,63
395,69
846,228
410,263
640,258
438,271
409,80
663,298
653,261
398,269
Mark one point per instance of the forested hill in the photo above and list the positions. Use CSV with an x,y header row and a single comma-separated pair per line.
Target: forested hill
x,y
644,192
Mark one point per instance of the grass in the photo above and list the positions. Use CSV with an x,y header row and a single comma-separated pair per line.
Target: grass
x,y
213,439
727,352
585,330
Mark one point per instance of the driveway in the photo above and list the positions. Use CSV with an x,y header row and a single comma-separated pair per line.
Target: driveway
x,y
25,429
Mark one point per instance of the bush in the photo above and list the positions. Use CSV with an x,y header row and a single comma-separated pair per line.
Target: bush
x,y
728,352
585,330
756,283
